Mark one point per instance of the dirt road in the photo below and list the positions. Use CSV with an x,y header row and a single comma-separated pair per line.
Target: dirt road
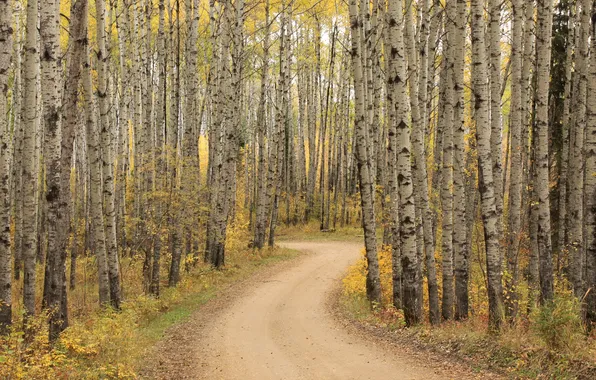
x,y
281,328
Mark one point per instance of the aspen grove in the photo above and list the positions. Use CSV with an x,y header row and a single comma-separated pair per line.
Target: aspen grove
x,y
460,135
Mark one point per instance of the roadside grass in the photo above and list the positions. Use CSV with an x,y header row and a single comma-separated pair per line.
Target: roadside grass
x,y
241,269
105,344
547,343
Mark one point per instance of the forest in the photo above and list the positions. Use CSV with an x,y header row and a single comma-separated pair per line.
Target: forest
x,y
147,145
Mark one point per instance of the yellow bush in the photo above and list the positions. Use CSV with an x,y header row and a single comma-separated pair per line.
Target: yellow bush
x,y
354,283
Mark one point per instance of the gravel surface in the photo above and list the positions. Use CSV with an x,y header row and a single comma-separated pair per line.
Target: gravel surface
x,y
280,324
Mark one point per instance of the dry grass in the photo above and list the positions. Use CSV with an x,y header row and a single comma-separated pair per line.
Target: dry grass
x,y
109,344
547,344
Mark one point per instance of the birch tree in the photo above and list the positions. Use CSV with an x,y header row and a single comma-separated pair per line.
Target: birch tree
x,y
29,175
460,249
373,286
494,30
95,183
543,55
576,162
6,49
446,119
486,182
407,220
590,181
515,184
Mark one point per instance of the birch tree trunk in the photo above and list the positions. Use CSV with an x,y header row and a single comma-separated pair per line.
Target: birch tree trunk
x,y
486,181
528,69
107,139
421,175
6,49
95,184
407,206
227,164
29,167
460,250
276,176
495,103
576,162
516,179
590,183
391,190
543,56
373,284
446,119
18,137
560,243
192,123
261,209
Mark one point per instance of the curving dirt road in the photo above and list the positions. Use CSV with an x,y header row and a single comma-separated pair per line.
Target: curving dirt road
x,y
280,328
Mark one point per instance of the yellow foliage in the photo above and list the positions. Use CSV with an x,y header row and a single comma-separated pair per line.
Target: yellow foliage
x,y
354,283
106,344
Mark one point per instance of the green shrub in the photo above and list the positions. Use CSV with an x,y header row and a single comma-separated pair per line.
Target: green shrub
x,y
558,323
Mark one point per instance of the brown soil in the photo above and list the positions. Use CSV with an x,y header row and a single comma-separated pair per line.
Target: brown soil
x,y
278,325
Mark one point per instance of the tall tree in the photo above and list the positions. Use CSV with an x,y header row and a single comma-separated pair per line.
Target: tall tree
x,y
421,174
460,249
494,30
6,49
407,220
108,137
516,179
486,182
29,175
543,55
261,206
95,183
576,162
446,120
373,283
590,184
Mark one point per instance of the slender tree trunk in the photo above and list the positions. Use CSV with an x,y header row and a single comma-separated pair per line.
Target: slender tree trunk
x,y
18,137
391,188
373,285
261,209
107,142
95,184
576,163
6,49
459,167
446,119
29,166
516,179
281,119
407,206
590,183
486,182
421,176
543,56
494,30
561,233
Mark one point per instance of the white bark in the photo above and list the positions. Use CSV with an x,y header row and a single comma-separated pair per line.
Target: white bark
x,y
95,184
486,182
543,56
108,136
29,167
576,162
6,49
373,286
516,178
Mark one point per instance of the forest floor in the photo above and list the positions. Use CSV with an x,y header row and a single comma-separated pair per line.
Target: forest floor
x,y
284,323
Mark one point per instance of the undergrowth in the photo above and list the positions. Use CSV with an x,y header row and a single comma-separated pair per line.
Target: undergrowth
x,y
547,343
106,344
